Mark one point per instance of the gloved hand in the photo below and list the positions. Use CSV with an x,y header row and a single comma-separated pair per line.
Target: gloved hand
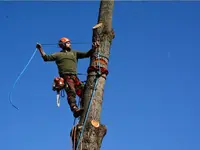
x,y
95,45
38,46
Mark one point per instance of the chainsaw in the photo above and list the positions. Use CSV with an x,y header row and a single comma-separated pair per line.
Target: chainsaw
x,y
58,85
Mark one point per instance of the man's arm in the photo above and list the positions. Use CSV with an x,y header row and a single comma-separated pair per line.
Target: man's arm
x,y
88,53
81,55
44,55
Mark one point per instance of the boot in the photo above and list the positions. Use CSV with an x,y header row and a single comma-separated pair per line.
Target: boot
x,y
77,111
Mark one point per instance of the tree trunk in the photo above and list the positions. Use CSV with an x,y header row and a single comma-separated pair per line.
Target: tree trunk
x,y
89,132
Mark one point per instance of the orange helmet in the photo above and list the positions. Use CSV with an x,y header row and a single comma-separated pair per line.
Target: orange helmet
x,y
64,40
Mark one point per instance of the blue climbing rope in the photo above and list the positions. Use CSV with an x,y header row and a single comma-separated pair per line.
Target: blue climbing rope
x,y
87,113
62,93
10,95
99,71
86,117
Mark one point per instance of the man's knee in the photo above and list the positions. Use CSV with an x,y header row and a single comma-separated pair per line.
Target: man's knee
x,y
79,92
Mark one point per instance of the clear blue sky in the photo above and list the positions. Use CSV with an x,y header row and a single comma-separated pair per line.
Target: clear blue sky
x,y
151,99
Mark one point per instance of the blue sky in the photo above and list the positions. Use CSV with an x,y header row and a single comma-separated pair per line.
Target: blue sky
x,y
151,99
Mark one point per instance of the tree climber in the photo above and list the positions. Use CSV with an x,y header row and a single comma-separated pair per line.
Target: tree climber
x,y
66,61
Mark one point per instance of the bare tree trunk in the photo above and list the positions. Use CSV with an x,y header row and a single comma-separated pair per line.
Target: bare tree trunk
x,y
90,132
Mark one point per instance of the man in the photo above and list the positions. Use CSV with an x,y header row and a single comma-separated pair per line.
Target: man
x,y
66,61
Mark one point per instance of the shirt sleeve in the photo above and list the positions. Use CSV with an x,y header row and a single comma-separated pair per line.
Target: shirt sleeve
x,y
51,57
87,54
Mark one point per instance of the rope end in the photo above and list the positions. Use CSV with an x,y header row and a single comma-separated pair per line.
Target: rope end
x,y
15,106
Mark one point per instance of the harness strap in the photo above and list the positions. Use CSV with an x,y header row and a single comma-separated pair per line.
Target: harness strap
x,y
101,61
101,55
96,69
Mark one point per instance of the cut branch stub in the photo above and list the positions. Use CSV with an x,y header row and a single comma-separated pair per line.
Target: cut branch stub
x,y
95,123
97,29
97,26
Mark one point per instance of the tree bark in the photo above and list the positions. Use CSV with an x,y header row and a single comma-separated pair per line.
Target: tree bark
x,y
88,134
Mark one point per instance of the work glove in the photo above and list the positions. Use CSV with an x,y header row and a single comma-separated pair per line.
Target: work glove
x,y
95,45
38,46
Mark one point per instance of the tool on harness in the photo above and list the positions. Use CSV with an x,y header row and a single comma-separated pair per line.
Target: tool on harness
x,y
58,83
58,86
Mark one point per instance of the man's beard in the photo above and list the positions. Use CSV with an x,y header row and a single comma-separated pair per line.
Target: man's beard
x,y
67,49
